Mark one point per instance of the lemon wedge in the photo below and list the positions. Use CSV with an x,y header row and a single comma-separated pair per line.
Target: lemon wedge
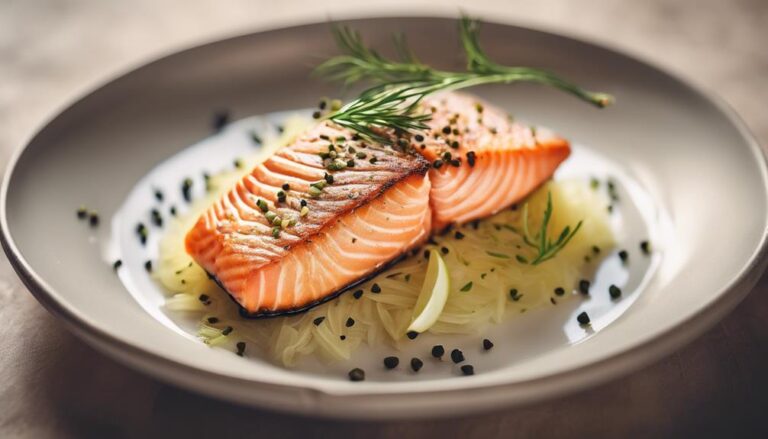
x,y
433,295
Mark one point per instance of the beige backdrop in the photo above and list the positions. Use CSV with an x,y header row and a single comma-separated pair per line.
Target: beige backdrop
x,y
52,385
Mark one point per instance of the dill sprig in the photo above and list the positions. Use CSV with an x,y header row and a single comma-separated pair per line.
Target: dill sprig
x,y
478,61
400,85
391,106
541,242
363,63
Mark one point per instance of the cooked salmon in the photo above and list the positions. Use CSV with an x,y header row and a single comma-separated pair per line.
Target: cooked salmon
x,y
316,217
482,161
330,209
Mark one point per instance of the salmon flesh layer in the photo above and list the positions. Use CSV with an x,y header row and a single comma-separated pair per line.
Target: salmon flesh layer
x,y
329,209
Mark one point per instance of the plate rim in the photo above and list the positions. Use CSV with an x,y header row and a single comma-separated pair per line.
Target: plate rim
x,y
628,359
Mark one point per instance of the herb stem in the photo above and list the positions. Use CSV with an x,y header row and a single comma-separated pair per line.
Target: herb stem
x,y
399,86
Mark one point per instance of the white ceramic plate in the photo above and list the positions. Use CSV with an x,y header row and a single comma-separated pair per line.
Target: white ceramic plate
x,y
692,180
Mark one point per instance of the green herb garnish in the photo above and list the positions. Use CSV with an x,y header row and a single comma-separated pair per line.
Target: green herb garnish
x,y
545,248
400,85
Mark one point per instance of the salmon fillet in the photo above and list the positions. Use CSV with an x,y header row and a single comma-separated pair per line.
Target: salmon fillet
x,y
482,161
354,223
329,210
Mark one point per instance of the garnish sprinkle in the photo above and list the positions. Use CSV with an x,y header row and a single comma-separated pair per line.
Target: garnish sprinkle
x,y
545,248
391,362
357,374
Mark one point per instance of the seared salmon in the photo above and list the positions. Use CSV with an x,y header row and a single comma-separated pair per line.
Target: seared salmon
x,y
330,209
482,161
316,217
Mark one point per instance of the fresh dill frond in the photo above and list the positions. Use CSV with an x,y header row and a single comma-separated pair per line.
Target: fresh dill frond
x,y
541,242
400,85
478,61
387,107
360,62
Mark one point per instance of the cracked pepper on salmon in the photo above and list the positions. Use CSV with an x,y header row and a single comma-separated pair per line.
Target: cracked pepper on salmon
x,y
330,210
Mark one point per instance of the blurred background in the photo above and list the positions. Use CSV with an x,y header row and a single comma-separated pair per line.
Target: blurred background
x,y
52,385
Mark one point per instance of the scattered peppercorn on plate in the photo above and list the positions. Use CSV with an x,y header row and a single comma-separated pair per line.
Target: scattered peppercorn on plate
x,y
459,283
423,247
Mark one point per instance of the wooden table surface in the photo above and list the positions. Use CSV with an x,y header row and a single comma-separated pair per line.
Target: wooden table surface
x,y
53,385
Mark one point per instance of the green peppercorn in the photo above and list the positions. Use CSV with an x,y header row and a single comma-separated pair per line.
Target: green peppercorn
x,y
186,189
584,287
357,374
471,158
391,362
624,256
